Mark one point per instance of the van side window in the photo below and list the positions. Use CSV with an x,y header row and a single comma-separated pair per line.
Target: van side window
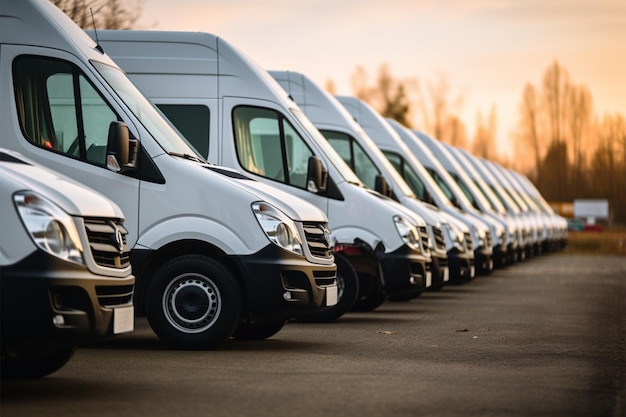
x,y
353,154
192,121
410,176
268,145
59,109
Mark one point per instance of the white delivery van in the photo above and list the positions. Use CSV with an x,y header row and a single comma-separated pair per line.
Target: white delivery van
x,y
406,162
513,250
214,252
65,276
534,221
559,231
235,114
502,253
525,243
353,144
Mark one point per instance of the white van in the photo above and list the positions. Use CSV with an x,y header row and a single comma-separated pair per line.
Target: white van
x,y
235,114
451,260
558,232
502,253
215,253
525,244
404,159
64,268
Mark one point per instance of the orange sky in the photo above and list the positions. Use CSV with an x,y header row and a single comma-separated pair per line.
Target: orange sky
x,y
487,49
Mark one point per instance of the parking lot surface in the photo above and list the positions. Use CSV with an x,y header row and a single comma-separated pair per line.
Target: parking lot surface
x,y
546,337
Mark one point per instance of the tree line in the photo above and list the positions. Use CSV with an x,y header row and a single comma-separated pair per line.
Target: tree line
x,y
568,151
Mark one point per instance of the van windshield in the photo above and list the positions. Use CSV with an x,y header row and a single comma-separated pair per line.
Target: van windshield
x,y
329,151
149,117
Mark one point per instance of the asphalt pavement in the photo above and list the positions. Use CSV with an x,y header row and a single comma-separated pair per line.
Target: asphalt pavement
x,y
545,337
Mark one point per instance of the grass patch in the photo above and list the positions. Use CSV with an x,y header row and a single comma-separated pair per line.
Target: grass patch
x,y
607,242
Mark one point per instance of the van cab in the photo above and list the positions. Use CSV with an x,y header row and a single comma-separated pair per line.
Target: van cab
x,y
215,253
65,275
235,114
450,259
403,158
504,252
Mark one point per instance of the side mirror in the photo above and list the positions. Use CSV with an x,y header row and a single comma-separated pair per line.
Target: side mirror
x,y
317,176
122,151
382,186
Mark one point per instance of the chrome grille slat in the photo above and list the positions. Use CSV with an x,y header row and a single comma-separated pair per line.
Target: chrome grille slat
x,y
316,240
103,243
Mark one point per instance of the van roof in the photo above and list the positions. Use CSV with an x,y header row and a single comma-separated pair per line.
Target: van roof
x,y
197,54
40,23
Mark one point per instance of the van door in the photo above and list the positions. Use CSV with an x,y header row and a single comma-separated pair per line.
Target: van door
x,y
60,118
262,142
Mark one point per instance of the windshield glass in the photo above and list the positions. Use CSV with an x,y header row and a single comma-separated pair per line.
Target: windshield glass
x,y
147,114
329,152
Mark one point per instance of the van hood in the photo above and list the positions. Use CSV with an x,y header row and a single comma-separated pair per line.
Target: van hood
x,y
294,207
74,198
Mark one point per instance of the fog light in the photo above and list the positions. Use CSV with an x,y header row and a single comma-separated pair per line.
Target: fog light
x,y
58,320
412,280
287,296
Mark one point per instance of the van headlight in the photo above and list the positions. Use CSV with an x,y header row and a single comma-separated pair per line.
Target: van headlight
x,y
408,232
278,227
51,228
456,236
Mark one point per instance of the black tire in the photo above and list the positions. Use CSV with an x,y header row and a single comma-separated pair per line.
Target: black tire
x,y
258,331
193,302
347,293
373,297
35,366
370,302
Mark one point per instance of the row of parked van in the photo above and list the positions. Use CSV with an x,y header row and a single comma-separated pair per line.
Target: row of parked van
x,y
165,174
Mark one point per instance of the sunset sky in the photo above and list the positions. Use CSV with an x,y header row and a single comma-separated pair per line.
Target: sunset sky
x,y
487,49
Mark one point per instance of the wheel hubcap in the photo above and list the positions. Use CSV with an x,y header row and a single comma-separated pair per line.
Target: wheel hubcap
x,y
192,303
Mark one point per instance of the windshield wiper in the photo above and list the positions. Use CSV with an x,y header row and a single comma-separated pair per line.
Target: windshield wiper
x,y
187,156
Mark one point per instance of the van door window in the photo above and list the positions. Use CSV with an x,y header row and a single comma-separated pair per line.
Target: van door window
x,y
410,176
268,145
59,109
353,154
192,121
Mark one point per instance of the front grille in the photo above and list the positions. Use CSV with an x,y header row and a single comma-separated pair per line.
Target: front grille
x,y
424,238
107,241
440,242
316,236
117,295
468,242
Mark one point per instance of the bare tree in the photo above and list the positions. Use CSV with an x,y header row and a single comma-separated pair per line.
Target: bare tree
x,y
439,113
578,116
389,96
556,87
107,14
484,142
530,113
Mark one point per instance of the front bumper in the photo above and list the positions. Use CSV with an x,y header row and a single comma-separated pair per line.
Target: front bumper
x,y
406,272
461,264
56,303
279,284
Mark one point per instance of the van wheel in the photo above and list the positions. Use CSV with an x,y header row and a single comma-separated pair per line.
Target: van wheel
x,y
347,292
372,294
193,302
370,302
35,366
258,331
